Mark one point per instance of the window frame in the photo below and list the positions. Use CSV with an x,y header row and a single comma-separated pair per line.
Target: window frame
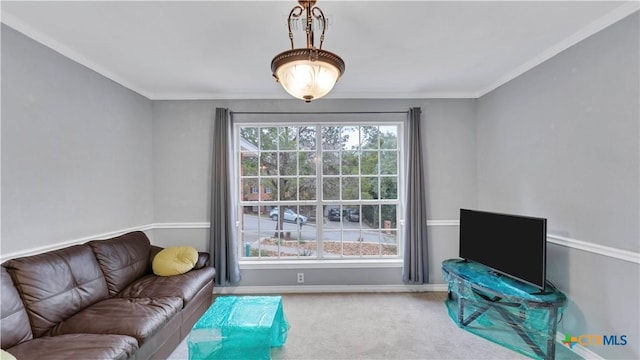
x,y
319,202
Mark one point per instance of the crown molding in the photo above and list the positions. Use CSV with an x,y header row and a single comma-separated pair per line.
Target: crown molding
x,y
611,18
13,22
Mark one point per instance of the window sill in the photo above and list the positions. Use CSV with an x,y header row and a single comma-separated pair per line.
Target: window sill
x,y
320,264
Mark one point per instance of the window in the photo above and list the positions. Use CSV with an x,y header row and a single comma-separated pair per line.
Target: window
x,y
334,190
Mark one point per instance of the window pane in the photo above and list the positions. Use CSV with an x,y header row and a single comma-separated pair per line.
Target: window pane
x,y
331,137
350,163
389,162
333,214
388,137
350,138
272,184
288,163
249,140
288,189
307,189
369,163
307,161
248,184
288,138
269,138
388,213
249,164
352,214
389,187
369,188
370,137
350,188
331,188
390,249
249,209
332,244
331,163
371,216
250,243
307,137
268,163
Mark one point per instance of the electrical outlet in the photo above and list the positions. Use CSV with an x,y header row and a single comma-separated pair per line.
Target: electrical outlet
x,y
300,278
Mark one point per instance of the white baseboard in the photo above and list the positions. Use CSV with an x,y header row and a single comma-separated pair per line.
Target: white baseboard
x,y
311,289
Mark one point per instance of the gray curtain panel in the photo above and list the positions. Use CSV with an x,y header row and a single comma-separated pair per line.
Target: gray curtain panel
x,y
222,238
415,268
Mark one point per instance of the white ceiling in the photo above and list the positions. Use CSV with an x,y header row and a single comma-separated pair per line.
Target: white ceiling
x,y
392,49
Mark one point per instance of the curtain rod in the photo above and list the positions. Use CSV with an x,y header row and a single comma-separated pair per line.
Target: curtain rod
x,y
314,112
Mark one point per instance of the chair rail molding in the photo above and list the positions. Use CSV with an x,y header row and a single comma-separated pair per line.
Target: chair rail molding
x,y
603,250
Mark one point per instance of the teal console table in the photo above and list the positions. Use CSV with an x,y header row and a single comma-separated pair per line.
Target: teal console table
x,y
503,310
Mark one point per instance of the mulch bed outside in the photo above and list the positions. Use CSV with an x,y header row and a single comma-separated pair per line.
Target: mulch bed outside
x,y
330,247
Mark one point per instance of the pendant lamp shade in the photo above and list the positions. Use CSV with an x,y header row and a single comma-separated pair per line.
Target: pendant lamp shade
x,y
307,73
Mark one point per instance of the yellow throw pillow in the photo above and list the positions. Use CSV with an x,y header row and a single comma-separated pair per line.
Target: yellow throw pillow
x,y
174,260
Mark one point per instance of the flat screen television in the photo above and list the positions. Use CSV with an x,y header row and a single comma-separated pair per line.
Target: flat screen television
x,y
513,245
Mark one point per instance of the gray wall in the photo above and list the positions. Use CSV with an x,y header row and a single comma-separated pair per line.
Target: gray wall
x,y
562,142
76,150
182,132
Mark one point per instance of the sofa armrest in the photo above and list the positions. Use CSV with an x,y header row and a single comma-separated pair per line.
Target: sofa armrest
x,y
154,251
203,260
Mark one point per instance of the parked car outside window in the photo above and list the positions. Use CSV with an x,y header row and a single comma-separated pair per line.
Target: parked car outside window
x,y
334,214
353,215
289,216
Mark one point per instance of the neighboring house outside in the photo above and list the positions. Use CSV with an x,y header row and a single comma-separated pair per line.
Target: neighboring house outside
x,y
252,191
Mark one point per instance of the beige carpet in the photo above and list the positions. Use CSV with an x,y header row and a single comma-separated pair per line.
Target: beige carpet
x,y
378,326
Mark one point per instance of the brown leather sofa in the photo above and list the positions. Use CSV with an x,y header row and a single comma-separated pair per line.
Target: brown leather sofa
x,y
100,300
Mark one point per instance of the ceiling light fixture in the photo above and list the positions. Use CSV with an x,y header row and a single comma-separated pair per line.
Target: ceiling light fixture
x,y
307,73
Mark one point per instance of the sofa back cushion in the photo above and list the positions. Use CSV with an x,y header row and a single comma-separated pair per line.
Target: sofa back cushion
x,y
123,259
14,320
56,285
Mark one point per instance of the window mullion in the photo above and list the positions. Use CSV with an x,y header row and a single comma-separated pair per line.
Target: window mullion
x,y
319,197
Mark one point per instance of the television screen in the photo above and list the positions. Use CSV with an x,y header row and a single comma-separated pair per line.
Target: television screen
x,y
512,245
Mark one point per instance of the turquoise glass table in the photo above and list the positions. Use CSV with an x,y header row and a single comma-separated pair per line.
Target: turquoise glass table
x,y
239,327
503,310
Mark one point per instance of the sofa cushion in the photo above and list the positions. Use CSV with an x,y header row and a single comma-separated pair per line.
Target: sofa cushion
x,y
184,285
140,318
122,259
175,260
77,346
56,285
14,320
